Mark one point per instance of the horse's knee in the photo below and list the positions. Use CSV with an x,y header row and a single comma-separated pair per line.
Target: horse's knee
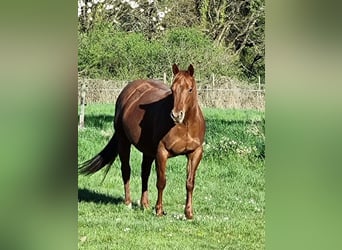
x,y
161,183
190,185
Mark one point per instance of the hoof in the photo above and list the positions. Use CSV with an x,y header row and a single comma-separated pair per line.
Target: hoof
x,y
128,203
189,217
160,213
189,214
144,204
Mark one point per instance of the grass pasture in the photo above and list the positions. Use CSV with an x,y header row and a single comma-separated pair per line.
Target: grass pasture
x,y
229,195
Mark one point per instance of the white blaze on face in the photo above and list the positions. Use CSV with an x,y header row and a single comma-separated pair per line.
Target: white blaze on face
x,y
182,93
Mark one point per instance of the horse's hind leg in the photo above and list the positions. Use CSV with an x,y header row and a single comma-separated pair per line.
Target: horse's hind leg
x,y
145,174
124,149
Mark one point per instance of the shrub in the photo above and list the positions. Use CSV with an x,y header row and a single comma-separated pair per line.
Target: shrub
x,y
105,52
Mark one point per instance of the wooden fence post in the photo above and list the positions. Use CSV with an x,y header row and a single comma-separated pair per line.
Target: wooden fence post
x,y
165,78
259,88
213,82
83,94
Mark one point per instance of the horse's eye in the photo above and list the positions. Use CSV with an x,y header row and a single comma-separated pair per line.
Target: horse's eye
x,y
190,90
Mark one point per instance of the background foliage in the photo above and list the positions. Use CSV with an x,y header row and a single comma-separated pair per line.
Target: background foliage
x,y
132,39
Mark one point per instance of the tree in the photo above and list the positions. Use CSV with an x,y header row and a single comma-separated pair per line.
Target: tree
x,y
183,14
237,26
240,25
145,16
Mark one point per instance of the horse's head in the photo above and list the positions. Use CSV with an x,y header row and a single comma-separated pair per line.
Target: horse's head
x,y
184,92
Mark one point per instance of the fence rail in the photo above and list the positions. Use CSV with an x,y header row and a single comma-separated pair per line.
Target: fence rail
x,y
220,94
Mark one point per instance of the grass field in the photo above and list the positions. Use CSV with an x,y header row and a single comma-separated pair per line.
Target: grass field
x,y
229,195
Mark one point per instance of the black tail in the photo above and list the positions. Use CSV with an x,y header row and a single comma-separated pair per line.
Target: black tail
x,y
105,157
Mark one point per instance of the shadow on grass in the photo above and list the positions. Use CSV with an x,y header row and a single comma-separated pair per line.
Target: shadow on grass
x,y
98,121
87,195
91,196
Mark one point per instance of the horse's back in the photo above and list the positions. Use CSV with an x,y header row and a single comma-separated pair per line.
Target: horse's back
x,y
141,91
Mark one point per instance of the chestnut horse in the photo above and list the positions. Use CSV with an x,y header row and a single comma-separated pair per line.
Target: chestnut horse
x,y
161,123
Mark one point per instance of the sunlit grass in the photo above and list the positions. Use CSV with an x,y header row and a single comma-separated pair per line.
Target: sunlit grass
x,y
229,196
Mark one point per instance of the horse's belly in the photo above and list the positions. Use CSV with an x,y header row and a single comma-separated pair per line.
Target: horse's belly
x,y
130,123
140,133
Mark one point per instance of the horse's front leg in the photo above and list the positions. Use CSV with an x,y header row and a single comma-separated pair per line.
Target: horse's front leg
x,y
194,159
161,159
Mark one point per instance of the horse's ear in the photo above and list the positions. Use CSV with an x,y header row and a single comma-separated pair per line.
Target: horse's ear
x,y
175,69
191,70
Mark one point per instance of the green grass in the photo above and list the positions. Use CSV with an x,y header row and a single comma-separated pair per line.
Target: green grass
x,y
229,195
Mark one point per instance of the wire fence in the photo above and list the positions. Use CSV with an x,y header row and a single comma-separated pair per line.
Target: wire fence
x,y
218,93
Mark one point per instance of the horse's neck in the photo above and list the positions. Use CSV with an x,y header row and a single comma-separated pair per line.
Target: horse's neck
x,y
193,114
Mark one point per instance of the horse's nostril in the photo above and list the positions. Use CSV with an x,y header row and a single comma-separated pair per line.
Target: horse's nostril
x,y
177,117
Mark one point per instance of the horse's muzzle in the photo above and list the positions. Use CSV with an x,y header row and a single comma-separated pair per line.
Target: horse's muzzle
x,y
177,117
